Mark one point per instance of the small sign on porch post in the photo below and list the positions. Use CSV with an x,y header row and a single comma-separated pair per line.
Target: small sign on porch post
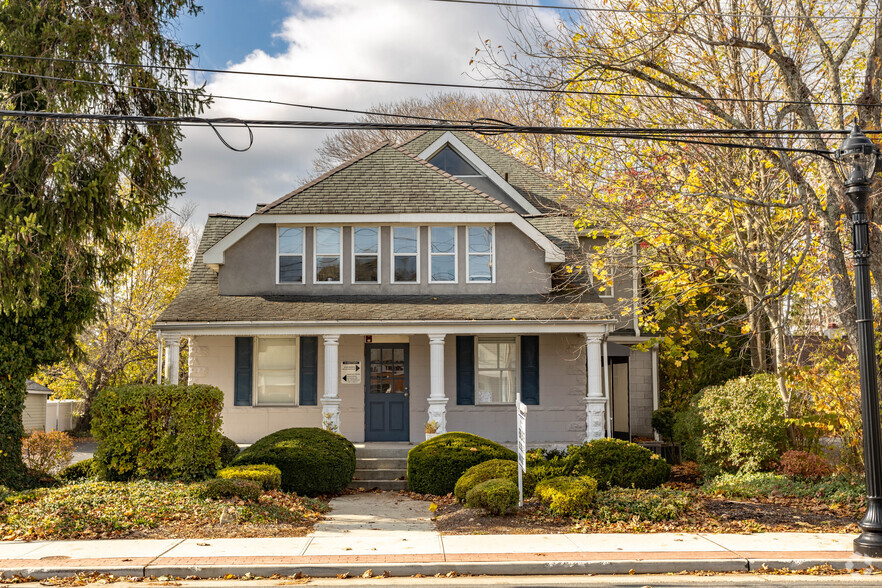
x,y
350,372
522,447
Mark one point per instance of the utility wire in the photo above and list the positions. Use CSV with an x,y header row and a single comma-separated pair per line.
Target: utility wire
x,y
655,12
675,135
538,90
192,94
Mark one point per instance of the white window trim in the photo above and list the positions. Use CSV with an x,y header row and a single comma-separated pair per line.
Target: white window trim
x,y
302,255
516,369
378,254
394,255
255,369
469,279
455,255
316,255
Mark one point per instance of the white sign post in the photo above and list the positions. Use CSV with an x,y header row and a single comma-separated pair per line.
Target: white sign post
x,y
522,447
350,372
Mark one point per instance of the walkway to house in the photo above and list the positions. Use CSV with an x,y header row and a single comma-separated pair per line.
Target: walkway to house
x,y
386,532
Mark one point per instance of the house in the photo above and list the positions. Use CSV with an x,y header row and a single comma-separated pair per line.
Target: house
x,y
427,281
34,416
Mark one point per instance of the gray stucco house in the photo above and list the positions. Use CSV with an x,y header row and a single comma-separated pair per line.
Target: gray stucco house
x,y
417,282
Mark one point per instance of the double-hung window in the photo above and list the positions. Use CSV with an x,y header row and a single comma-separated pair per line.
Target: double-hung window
x,y
276,368
496,370
405,255
442,258
480,254
327,254
290,253
366,254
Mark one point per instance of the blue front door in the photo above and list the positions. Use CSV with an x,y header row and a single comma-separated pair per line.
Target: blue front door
x,y
387,392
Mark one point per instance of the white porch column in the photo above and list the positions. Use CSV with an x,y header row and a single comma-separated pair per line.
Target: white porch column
x,y
331,398
172,343
595,403
437,398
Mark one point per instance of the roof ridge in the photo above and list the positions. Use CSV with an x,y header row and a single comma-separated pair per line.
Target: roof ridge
x,y
321,178
454,179
226,215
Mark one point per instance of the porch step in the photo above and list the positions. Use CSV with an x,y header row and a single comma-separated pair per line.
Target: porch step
x,y
381,465
381,484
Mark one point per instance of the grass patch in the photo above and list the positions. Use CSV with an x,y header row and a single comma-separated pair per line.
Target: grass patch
x,y
834,491
91,509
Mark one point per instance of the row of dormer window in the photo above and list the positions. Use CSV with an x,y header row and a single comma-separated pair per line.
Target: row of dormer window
x,y
367,255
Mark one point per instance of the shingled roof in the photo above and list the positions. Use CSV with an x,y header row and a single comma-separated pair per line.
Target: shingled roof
x,y
386,180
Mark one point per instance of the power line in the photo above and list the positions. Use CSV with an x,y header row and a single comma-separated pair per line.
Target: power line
x,y
710,137
654,12
192,94
538,90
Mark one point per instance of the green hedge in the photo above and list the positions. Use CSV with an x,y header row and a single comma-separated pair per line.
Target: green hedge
x,y
488,470
434,466
228,451
567,495
497,496
78,471
157,431
312,461
613,462
228,488
268,476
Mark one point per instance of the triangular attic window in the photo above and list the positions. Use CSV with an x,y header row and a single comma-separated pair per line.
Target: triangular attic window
x,y
452,162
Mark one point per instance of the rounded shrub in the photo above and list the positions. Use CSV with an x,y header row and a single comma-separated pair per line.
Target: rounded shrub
x,y
312,461
663,422
434,466
268,476
228,488
228,451
613,462
497,496
804,465
488,470
567,495
78,471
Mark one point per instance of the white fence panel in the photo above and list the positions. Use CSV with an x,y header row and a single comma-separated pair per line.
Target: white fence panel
x,y
61,414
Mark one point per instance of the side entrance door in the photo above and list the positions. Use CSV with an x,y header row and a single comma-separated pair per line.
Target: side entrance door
x,y
387,392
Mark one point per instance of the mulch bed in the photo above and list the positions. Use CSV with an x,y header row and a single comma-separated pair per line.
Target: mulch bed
x,y
710,514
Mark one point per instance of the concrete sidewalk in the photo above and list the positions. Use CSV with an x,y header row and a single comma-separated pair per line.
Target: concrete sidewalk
x,y
404,553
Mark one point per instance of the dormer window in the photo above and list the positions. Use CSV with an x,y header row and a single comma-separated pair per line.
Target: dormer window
x,y
327,255
366,255
290,255
453,163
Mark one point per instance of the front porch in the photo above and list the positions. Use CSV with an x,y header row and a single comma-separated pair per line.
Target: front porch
x,y
387,386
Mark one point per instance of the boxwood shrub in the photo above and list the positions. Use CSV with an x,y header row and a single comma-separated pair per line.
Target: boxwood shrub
x,y
497,496
78,471
228,451
613,462
228,488
567,495
157,431
268,476
434,466
488,470
312,461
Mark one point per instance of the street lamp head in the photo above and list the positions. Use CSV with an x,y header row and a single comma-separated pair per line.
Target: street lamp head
x,y
857,157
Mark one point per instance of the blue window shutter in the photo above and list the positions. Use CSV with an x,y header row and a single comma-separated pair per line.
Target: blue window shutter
x,y
530,369
244,367
308,371
465,370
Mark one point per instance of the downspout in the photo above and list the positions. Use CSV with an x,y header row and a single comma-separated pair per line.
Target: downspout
x,y
158,358
634,288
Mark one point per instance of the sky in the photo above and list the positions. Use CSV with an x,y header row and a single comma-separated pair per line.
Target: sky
x,y
400,39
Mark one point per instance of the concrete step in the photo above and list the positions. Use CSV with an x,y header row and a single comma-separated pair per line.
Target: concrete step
x,y
380,474
381,484
397,450
380,463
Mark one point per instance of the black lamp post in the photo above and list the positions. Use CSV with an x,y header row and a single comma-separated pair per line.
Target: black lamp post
x,y
857,159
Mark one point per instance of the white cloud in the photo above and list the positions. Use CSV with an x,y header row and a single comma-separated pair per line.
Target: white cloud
x,y
395,39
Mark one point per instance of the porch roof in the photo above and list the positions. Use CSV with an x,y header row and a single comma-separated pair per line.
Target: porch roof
x,y
201,303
